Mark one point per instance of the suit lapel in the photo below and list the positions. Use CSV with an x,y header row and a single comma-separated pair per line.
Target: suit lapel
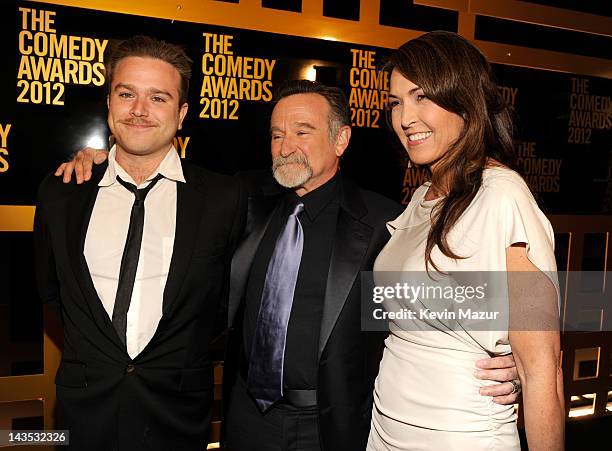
x,y
260,211
189,206
350,247
79,213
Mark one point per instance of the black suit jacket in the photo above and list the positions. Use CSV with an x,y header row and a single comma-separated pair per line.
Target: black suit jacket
x,y
348,358
162,399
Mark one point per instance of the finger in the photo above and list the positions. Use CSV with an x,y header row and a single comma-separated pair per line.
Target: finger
x,y
68,170
497,390
505,361
87,162
500,375
78,166
60,169
506,400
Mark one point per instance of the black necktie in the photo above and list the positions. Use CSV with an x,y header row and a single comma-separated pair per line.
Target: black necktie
x,y
265,376
129,260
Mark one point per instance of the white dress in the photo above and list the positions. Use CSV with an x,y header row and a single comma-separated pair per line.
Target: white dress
x,y
426,396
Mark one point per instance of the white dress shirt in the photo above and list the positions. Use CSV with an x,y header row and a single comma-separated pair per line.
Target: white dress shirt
x,y
105,241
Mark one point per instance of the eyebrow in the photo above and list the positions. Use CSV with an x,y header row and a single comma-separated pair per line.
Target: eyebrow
x,y
307,125
149,91
412,91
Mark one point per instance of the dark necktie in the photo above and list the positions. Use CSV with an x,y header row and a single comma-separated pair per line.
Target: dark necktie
x,y
129,260
265,376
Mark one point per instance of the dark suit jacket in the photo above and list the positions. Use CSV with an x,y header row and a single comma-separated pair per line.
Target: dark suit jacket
x,y
162,399
348,358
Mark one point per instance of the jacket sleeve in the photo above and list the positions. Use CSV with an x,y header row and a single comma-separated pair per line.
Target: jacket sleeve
x,y
44,260
235,234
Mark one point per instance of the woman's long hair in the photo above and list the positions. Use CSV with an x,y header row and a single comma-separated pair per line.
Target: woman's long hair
x,y
455,75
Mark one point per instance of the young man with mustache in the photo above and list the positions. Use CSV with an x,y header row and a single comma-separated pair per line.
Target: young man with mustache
x,y
137,261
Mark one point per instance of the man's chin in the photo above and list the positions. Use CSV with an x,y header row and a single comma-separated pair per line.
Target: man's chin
x,y
135,150
289,180
139,147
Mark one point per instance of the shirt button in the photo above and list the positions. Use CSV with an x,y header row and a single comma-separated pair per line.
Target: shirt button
x,y
130,368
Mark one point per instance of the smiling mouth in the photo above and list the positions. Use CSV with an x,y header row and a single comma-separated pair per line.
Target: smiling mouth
x,y
417,138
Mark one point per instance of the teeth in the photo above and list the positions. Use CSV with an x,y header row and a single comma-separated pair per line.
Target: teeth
x,y
418,136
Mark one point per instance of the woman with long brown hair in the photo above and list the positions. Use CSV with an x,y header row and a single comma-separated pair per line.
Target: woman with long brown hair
x,y
475,214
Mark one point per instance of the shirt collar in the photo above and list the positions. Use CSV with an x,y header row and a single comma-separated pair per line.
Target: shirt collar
x,y
169,168
315,201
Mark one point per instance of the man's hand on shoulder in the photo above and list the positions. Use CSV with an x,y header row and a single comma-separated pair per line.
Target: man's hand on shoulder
x,y
81,164
503,370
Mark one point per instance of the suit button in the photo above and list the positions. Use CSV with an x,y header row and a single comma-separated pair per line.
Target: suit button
x,y
130,368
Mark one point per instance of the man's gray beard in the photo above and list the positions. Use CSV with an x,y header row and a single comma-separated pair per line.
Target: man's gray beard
x,y
295,175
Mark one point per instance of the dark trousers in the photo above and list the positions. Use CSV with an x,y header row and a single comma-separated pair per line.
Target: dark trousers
x,y
281,428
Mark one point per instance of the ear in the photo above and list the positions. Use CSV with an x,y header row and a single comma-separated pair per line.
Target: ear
x,y
182,113
342,140
107,101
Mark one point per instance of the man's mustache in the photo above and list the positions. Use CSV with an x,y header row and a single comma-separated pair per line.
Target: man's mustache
x,y
291,159
137,122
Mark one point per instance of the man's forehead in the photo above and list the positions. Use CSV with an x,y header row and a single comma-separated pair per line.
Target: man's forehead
x,y
144,63
137,67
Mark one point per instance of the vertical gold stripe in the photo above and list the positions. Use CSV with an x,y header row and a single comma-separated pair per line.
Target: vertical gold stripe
x,y
467,25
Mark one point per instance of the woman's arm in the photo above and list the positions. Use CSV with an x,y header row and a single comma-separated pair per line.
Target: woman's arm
x,y
534,337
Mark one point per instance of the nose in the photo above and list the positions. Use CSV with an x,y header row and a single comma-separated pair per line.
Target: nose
x,y
287,146
139,107
408,117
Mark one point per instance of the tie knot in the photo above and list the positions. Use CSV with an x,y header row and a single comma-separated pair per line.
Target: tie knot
x,y
140,194
297,209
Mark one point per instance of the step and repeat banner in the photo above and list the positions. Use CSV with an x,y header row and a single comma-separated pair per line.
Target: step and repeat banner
x,y
53,103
